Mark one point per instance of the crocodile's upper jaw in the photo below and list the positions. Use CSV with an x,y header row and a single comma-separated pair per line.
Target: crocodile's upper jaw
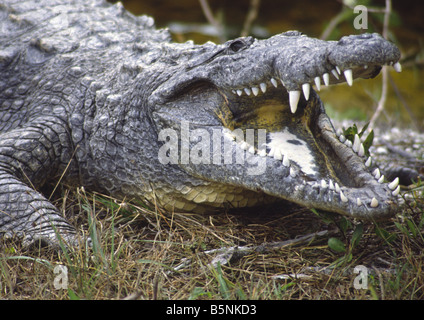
x,y
302,159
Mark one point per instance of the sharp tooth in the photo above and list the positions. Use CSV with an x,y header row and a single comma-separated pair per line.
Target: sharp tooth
x,y
381,180
356,143
374,203
274,82
262,153
234,91
358,202
247,90
348,143
318,83
244,145
255,90
331,185
335,74
368,162
349,77
326,78
377,173
239,92
361,151
286,161
342,138
292,172
323,184
394,184
271,152
278,155
306,87
397,67
338,70
294,97
263,87
251,150
396,191
337,187
343,197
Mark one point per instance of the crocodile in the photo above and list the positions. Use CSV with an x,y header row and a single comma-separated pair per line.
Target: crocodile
x,y
94,96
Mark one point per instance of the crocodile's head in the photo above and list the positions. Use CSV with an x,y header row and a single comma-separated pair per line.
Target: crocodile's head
x,y
264,129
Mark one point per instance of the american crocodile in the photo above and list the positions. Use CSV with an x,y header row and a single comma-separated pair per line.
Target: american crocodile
x,y
94,96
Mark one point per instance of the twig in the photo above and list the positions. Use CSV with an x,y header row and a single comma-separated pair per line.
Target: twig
x,y
227,254
251,16
385,73
211,19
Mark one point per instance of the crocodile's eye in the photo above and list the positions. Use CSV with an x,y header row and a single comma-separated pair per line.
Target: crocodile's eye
x,y
237,45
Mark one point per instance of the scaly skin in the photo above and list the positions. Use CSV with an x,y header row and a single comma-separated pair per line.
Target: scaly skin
x,y
98,96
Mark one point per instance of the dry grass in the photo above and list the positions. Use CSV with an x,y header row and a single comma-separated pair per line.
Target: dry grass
x,y
144,253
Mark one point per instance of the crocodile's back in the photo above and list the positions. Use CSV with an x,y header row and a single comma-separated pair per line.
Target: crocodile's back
x,y
47,47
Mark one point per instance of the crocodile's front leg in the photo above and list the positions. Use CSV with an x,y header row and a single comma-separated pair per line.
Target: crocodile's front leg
x,y
28,155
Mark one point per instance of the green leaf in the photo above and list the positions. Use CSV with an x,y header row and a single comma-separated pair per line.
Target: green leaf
x,y
336,245
357,235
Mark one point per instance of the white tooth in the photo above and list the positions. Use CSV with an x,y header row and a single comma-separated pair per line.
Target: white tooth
x,y
292,172
234,91
247,90
368,162
358,202
318,83
286,161
356,143
361,151
339,132
251,150
348,143
349,77
396,191
255,90
342,138
244,145
381,180
278,155
294,97
263,87
262,153
271,152
374,203
343,197
394,184
377,173
274,82
335,74
326,78
365,66
338,70
239,92
331,185
306,87
337,187
323,184
397,67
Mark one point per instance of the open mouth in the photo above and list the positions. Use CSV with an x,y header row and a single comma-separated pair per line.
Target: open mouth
x,y
320,165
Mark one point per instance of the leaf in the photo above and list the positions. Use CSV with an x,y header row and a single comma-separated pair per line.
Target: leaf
x,y
336,245
357,235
